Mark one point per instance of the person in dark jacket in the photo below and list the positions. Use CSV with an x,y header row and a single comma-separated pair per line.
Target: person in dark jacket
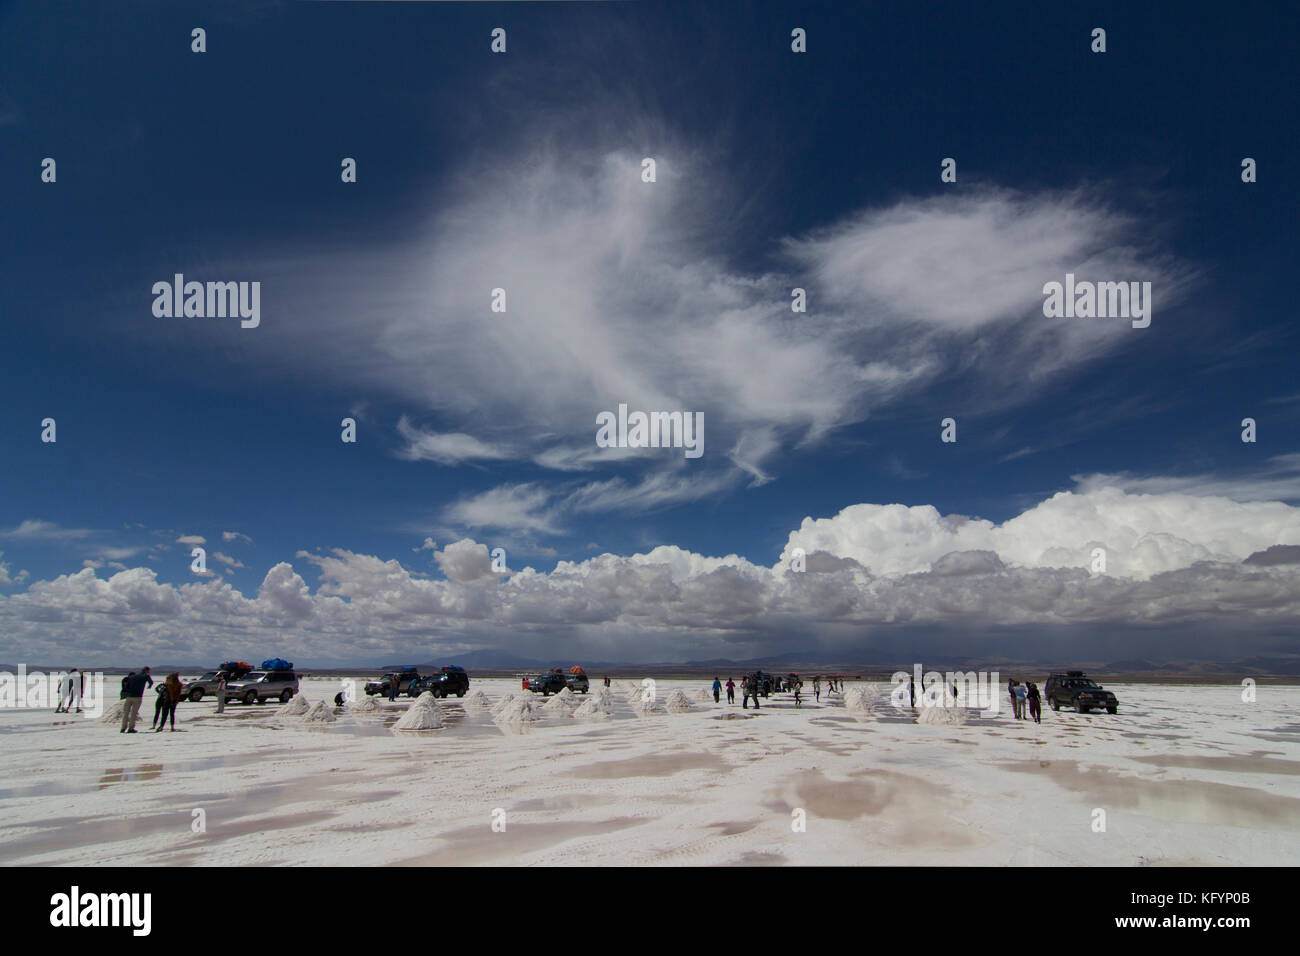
x,y
172,689
159,706
132,694
1035,703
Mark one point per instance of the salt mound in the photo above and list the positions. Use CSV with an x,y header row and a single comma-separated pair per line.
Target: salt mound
x,y
506,701
112,714
605,697
478,699
419,717
296,707
515,709
366,705
678,703
320,713
596,708
426,700
560,704
943,716
857,700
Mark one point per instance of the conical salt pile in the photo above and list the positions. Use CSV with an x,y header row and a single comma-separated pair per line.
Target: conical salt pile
x,y
112,713
420,716
320,713
516,709
365,705
938,714
595,708
561,703
296,707
478,699
859,701
677,703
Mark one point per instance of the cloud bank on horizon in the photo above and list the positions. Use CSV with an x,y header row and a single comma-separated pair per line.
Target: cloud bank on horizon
x,y
1172,560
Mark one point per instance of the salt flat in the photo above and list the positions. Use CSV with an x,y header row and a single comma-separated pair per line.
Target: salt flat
x,y
1185,775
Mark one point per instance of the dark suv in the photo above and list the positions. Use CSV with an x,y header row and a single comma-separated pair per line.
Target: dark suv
x,y
384,684
578,683
552,682
450,680
1075,689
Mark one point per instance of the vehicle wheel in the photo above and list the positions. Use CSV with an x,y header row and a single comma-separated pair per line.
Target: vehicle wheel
x,y
1056,704
1079,708
250,697
196,696
411,693
286,696
584,690
1112,710
460,693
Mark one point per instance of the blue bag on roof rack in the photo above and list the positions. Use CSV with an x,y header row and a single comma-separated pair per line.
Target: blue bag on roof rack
x,y
408,669
276,664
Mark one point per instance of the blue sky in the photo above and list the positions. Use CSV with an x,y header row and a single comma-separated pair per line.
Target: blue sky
x,y
775,170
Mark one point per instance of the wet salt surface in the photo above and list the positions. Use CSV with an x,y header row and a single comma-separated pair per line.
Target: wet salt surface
x,y
662,788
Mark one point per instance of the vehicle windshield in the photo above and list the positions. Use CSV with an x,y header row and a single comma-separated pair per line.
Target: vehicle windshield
x,y
255,675
209,675
1082,683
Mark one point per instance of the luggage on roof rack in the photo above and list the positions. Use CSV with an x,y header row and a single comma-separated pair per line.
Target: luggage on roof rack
x,y
276,664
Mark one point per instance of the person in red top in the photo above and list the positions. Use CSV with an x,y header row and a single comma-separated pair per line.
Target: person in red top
x,y
731,691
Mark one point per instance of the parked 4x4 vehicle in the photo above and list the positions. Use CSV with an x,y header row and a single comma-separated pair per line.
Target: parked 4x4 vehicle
x,y
552,682
195,689
1075,689
450,680
384,684
260,686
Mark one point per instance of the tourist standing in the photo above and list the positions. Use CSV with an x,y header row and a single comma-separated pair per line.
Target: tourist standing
x,y
172,689
731,691
717,690
159,706
1021,695
132,694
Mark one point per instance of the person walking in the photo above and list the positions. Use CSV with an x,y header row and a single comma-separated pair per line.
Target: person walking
x,y
1035,703
911,691
606,680
798,701
132,694
817,689
744,692
172,689
731,691
1021,696
717,690
394,685
1011,692
221,692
